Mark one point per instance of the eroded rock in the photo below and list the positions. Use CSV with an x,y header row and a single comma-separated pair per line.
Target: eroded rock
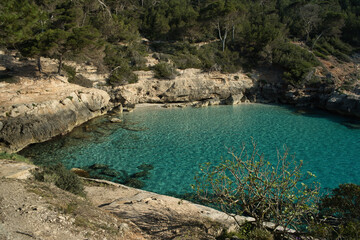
x,y
190,86
40,110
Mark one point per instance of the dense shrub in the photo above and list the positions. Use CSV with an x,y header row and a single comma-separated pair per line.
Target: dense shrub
x,y
61,177
82,81
296,62
334,47
122,75
76,79
183,61
260,234
229,61
247,231
14,156
339,214
165,70
70,72
131,55
344,202
248,184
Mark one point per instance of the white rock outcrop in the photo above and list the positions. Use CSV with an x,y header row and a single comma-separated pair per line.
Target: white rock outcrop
x,y
35,111
189,86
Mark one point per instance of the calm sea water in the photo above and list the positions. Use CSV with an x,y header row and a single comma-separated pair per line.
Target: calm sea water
x,y
176,141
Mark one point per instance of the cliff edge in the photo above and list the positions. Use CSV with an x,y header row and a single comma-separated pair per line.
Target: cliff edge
x,y
33,111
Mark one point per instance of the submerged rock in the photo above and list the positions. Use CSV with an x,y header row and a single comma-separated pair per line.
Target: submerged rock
x,y
142,174
110,172
99,166
139,129
80,172
115,120
135,183
352,124
146,167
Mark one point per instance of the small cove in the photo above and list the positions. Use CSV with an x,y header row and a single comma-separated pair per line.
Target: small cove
x,y
176,141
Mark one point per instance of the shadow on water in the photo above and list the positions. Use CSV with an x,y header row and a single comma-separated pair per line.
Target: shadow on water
x,y
95,131
105,172
349,122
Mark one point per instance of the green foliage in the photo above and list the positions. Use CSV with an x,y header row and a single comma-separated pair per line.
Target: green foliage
x,y
344,202
260,234
296,62
18,20
61,177
208,57
70,71
334,47
247,231
247,184
339,214
122,60
73,78
234,33
131,55
321,55
122,75
183,61
173,19
15,157
82,81
165,70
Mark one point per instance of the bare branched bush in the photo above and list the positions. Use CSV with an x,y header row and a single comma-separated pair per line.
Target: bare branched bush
x,y
248,184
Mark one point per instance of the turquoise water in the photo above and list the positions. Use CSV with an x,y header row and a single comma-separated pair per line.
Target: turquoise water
x,y
176,141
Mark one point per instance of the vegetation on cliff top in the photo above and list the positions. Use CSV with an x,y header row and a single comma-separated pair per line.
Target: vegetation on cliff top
x,y
237,34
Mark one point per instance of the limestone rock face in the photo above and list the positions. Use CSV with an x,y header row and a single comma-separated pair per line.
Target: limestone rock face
x,y
235,99
35,111
348,104
191,85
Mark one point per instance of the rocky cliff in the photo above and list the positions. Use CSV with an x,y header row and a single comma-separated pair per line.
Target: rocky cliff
x,y
37,110
337,89
189,86
320,96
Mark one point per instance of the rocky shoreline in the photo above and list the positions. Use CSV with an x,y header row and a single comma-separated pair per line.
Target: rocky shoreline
x,y
36,108
41,109
35,111
344,103
43,211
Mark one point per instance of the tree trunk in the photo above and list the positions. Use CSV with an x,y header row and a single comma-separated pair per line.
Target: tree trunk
x,y
233,33
307,36
38,60
222,38
317,39
60,64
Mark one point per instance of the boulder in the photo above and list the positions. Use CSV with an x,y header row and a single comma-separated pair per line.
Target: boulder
x,y
344,104
235,99
115,120
201,104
